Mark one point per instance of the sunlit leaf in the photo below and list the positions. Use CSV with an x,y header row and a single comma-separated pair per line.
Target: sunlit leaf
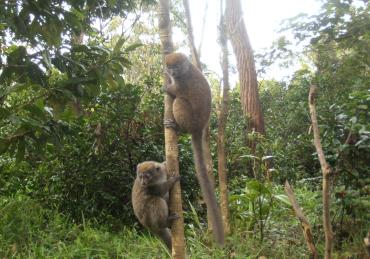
x,y
283,198
49,110
250,156
267,157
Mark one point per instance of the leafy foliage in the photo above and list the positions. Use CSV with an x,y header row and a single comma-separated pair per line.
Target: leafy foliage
x,y
337,43
53,62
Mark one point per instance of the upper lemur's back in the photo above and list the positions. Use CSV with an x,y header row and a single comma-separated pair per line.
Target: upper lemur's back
x,y
191,110
190,86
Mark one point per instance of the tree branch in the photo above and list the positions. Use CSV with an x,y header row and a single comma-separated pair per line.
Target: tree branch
x,y
306,227
326,171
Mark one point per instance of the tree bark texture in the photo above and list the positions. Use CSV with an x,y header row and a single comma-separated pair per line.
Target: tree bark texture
x,y
177,229
207,133
238,36
306,227
326,171
221,153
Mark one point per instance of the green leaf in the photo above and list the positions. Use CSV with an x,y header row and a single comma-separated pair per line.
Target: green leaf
x,y
74,81
124,61
256,186
35,111
93,89
133,47
80,48
362,107
250,206
15,88
283,198
46,58
100,49
117,48
30,123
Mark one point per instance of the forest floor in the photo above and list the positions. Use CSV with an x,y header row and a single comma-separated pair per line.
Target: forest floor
x,y
29,231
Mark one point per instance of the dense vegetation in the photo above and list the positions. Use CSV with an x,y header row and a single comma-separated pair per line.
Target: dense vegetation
x,y
79,109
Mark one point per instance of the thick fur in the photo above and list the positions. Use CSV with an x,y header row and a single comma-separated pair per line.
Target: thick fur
x,y
191,110
150,199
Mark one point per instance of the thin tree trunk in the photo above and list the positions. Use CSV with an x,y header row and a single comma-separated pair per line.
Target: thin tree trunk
x,y
189,27
206,140
177,229
203,27
245,63
222,173
306,227
326,172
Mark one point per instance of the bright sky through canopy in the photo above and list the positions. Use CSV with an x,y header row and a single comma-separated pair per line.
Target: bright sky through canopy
x,y
262,19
